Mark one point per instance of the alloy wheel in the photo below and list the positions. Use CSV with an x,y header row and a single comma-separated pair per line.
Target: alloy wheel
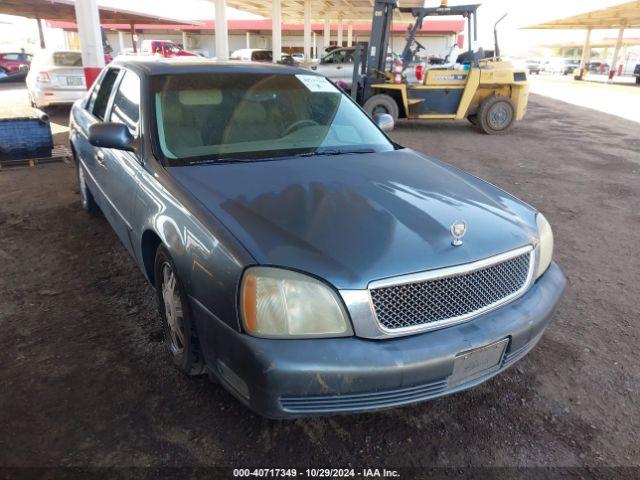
x,y
500,116
173,311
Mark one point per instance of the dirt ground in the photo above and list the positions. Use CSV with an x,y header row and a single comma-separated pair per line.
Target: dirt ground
x,y
86,382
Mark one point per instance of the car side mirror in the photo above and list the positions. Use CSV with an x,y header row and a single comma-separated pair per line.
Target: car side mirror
x,y
384,121
111,135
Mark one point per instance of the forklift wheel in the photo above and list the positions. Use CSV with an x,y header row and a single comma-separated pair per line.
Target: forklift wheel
x,y
381,104
496,115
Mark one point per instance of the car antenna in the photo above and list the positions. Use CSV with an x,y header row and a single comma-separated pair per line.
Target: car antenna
x,y
496,47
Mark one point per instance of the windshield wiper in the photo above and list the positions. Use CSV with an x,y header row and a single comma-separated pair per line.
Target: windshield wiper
x,y
222,160
329,151
335,152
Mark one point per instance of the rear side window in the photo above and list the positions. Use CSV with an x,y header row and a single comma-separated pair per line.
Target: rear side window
x,y
126,103
101,93
67,59
261,56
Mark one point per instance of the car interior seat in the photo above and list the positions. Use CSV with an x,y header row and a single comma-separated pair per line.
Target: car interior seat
x,y
249,121
180,131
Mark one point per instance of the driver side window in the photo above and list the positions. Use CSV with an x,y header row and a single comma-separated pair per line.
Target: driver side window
x,y
126,103
101,93
337,56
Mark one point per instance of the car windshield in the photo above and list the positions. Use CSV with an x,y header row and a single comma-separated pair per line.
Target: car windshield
x,y
237,117
67,59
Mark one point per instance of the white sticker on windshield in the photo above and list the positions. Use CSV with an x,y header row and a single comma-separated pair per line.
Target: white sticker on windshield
x,y
316,83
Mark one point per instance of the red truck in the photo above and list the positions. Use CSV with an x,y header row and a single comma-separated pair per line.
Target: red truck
x,y
167,47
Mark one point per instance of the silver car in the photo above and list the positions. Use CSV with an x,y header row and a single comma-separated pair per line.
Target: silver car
x,y
56,77
337,65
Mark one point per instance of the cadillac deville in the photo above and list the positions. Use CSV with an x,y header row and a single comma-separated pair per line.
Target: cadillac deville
x,y
300,257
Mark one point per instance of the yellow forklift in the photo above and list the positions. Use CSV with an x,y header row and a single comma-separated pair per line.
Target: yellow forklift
x,y
479,86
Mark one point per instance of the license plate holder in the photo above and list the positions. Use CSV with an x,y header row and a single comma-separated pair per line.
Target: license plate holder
x,y
472,364
74,81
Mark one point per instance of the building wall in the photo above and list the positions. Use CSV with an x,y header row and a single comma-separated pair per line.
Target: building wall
x,y
438,45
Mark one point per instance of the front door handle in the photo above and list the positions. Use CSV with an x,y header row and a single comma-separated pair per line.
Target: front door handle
x,y
100,157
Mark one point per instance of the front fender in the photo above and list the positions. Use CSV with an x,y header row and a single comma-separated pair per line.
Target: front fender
x,y
208,259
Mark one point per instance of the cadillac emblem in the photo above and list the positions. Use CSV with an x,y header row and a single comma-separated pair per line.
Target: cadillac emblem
x,y
458,230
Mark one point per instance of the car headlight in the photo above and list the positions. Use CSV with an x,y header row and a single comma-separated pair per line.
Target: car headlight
x,y
545,247
279,303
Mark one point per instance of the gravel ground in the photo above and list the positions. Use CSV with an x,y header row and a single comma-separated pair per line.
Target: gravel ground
x,y
86,382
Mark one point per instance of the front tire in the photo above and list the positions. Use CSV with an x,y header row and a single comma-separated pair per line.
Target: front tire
x,y
180,334
381,103
496,115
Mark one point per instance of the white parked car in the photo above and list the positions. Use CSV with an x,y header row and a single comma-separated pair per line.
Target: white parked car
x,y
252,55
56,77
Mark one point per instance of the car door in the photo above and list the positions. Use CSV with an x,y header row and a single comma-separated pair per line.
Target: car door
x,y
91,158
119,169
347,65
331,65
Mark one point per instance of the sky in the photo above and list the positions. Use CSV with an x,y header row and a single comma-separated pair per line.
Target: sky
x,y
523,13
513,40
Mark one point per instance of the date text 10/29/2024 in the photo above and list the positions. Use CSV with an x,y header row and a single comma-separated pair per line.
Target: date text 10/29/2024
x,y
315,473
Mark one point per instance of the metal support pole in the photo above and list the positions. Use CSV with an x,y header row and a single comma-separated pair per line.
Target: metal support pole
x,y
307,30
469,33
184,40
222,34
340,32
326,37
474,45
350,35
41,33
92,51
585,54
315,45
355,79
248,39
616,53
276,30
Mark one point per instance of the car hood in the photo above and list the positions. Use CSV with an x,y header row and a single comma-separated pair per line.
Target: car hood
x,y
354,218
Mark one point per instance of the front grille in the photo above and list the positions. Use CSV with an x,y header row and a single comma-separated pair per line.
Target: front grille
x,y
444,299
363,401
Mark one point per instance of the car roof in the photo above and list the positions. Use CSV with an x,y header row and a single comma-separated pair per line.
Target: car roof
x,y
185,65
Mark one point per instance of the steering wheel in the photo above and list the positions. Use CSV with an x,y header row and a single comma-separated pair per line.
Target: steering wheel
x,y
307,122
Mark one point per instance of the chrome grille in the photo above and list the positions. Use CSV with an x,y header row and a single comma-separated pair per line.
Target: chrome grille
x,y
445,299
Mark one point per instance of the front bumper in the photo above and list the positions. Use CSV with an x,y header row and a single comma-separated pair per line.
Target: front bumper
x,y
289,378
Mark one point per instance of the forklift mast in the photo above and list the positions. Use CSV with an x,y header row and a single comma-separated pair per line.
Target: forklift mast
x,y
374,64
379,39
